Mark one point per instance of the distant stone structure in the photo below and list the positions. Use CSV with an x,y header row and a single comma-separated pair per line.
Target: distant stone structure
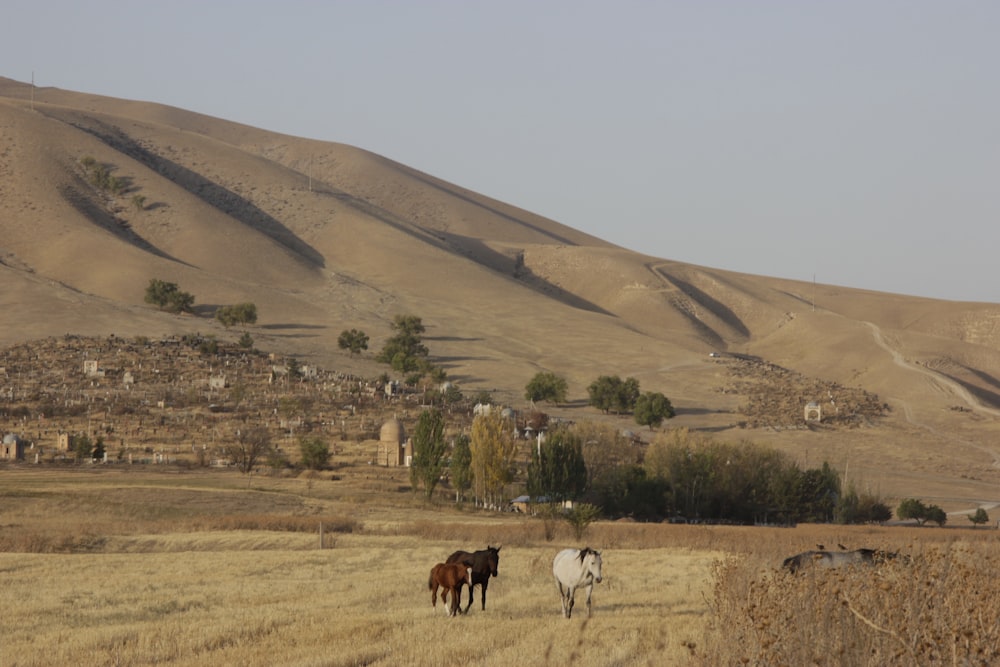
x,y
394,449
12,448
65,442
91,369
813,412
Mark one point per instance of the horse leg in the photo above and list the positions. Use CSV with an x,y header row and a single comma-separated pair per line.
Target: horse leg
x,y
472,588
570,601
590,589
483,592
434,595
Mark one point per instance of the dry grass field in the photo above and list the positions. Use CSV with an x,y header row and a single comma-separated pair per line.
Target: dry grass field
x,y
144,567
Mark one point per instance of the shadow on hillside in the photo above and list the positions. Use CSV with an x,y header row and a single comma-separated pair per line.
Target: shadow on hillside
x,y
723,312
472,249
699,411
205,310
449,362
85,205
514,268
454,192
289,326
457,339
212,193
989,398
713,429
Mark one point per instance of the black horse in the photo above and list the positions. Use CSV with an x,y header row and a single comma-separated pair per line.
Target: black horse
x,y
484,565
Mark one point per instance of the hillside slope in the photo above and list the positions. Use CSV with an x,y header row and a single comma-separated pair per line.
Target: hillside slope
x,y
325,236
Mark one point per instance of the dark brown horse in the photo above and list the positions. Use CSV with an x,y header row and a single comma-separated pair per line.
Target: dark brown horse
x,y
484,564
449,577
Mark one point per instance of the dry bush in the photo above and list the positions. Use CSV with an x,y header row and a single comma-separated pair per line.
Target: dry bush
x,y
934,606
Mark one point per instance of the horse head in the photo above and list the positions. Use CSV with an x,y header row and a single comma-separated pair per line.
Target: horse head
x,y
590,559
493,558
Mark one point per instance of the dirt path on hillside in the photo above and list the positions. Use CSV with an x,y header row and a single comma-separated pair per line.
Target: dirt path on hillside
x,y
943,384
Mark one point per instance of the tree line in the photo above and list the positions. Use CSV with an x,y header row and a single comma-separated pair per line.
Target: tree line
x,y
680,475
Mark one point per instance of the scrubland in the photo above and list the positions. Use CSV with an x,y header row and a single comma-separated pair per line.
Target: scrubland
x,y
134,566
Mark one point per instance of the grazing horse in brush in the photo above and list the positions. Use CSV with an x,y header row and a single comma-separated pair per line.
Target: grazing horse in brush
x,y
828,559
449,577
573,569
484,564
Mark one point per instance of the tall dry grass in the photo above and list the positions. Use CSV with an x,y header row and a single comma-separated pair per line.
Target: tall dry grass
x,y
935,604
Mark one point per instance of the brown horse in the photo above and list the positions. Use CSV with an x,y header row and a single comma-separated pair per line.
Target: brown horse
x,y
484,565
450,577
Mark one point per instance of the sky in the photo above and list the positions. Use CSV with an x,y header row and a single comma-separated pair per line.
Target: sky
x,y
852,143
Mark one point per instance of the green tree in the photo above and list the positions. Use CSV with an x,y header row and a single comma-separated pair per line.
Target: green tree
x,y
871,509
819,492
404,351
167,296
180,302
936,515
246,341
208,345
240,313
609,393
847,509
546,386
99,449
557,469
353,340
979,517
315,453
493,451
911,508
429,448
580,516
652,408
83,448
460,467
158,292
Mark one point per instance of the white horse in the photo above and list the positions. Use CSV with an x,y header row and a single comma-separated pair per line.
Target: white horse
x,y
573,569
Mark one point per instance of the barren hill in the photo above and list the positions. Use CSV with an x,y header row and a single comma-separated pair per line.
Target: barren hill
x,y
324,236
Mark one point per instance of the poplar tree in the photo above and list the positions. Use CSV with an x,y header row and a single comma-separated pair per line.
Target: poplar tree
x,y
557,469
428,451
493,449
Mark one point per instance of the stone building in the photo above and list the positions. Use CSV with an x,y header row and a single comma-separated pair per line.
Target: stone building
x,y
12,448
394,448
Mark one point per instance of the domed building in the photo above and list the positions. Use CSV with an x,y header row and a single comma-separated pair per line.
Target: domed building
x,y
394,449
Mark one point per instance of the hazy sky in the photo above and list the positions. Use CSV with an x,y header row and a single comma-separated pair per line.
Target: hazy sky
x,y
857,143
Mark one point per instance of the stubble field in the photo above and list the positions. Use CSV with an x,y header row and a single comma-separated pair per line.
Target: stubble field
x,y
142,567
